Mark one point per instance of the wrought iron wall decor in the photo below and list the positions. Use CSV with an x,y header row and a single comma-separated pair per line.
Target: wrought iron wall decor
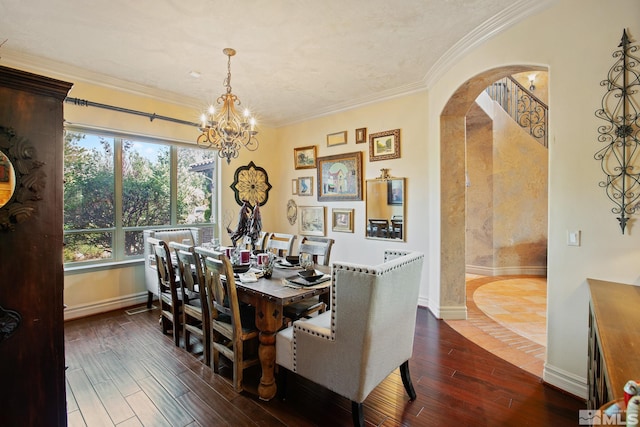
x,y
620,158
29,179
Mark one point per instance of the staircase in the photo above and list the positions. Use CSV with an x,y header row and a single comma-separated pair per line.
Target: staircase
x,y
523,106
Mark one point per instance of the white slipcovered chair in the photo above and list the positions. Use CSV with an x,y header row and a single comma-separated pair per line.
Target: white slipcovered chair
x,y
366,335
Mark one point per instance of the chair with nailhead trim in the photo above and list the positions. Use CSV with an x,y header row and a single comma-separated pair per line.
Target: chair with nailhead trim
x,y
367,334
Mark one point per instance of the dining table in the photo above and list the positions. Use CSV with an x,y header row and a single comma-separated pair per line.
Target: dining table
x,y
269,296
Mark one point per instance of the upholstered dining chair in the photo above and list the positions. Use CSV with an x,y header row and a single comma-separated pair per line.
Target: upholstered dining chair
x,y
168,296
367,333
281,244
233,331
195,313
320,249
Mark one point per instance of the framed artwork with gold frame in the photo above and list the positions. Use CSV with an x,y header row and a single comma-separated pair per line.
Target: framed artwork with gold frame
x,y
342,220
337,138
340,177
384,145
304,157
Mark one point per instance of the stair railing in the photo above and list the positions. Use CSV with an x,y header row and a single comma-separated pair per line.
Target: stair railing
x,y
523,106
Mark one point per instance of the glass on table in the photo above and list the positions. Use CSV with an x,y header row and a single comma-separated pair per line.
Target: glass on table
x,y
306,261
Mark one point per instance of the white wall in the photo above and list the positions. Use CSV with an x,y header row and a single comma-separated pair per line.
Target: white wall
x,y
575,39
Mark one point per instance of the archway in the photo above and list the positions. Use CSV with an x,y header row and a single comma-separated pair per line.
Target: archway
x,y
452,187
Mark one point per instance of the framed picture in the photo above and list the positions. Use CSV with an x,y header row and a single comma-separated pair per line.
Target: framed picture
x,y
342,220
311,220
304,157
337,138
340,177
361,135
384,145
395,192
305,186
294,186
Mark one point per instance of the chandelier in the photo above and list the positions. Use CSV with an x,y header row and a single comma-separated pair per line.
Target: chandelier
x,y
226,130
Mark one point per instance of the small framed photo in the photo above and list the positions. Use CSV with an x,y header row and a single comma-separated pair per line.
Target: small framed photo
x,y
305,186
294,186
395,191
361,135
342,220
337,138
312,220
384,145
304,157
340,177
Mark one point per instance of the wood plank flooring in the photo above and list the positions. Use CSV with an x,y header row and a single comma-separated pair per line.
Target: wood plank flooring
x,y
123,371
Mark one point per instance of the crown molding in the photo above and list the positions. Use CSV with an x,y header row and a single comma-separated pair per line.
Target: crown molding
x,y
357,103
49,67
507,18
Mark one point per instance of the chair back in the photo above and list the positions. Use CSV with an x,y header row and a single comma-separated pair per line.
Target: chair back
x,y
189,269
222,296
164,266
281,244
317,247
373,316
378,227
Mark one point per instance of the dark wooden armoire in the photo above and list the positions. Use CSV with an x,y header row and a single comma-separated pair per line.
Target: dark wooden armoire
x,y
32,364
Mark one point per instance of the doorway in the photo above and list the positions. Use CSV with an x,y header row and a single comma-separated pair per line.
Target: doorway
x,y
454,179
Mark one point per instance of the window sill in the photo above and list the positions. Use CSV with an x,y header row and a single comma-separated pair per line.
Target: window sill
x,y
88,268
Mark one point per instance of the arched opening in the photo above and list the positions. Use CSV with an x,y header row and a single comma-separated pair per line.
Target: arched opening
x,y
453,181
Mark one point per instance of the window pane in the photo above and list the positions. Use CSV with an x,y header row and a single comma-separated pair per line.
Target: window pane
x,y
196,186
145,184
88,181
88,246
133,243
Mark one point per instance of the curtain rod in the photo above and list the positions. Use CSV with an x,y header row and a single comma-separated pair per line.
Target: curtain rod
x,y
151,116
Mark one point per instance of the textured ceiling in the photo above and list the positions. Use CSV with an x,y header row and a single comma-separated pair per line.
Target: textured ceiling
x,y
296,59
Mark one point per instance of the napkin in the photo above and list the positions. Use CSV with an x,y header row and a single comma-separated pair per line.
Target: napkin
x,y
248,277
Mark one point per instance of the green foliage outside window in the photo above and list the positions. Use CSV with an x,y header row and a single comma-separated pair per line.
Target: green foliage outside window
x,y
91,200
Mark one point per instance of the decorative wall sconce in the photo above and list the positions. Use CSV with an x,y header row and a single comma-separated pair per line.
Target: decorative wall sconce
x,y
620,157
532,79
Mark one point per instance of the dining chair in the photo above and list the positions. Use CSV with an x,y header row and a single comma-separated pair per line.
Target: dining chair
x,y
233,331
281,244
366,335
378,227
168,296
396,227
320,249
195,314
258,245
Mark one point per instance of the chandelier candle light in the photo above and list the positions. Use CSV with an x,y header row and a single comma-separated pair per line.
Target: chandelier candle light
x,y
226,130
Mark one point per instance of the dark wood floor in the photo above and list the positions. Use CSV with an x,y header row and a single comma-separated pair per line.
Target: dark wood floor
x,y
123,371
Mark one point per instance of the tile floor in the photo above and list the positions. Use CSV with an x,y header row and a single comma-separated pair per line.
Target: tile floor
x,y
507,316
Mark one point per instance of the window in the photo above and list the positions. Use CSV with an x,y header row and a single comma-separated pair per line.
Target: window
x,y
108,203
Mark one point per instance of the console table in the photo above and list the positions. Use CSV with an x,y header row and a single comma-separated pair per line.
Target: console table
x,y
614,341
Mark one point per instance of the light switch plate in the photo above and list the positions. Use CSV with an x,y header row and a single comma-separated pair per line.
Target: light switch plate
x,y
573,238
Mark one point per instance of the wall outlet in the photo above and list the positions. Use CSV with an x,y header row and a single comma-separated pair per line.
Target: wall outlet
x,y
573,238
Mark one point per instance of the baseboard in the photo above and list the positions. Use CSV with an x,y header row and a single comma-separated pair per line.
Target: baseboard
x,y
84,310
450,312
423,302
516,270
566,381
